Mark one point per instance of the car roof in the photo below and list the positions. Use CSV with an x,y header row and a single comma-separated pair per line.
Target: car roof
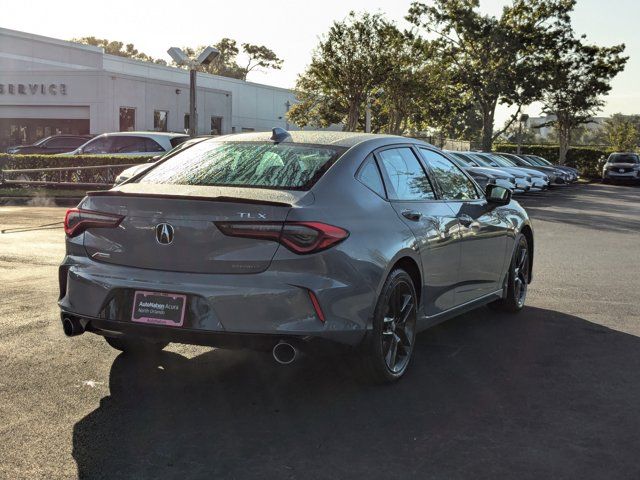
x,y
314,137
145,134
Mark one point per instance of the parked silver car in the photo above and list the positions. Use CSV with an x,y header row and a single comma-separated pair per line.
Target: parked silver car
x,y
130,144
281,241
621,166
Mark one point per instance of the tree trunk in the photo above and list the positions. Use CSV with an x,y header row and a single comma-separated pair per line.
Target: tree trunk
x,y
564,136
354,115
488,112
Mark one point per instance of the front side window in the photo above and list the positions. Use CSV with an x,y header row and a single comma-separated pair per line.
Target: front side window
x,y
127,119
406,178
246,164
454,184
160,120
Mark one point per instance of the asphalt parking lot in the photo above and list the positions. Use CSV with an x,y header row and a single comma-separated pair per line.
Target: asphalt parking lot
x,y
550,393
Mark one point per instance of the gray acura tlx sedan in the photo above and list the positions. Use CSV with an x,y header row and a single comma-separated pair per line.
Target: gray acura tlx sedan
x,y
288,241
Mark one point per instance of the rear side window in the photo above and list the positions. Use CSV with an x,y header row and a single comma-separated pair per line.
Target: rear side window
x,y
152,146
282,166
407,179
369,175
175,141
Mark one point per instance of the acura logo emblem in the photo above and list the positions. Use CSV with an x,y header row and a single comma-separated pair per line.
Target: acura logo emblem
x,y
164,233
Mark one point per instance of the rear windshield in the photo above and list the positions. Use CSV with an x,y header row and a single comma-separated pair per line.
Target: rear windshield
x,y
623,158
282,166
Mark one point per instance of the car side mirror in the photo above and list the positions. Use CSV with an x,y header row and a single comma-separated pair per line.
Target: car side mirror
x,y
497,194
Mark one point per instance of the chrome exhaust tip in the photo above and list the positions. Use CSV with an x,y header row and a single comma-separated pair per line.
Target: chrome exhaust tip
x,y
284,353
72,327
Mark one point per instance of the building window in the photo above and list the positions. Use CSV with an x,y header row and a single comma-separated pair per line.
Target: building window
x,y
127,119
247,129
216,125
160,118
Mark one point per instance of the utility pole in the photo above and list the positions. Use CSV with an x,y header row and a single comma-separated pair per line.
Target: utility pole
x,y
367,116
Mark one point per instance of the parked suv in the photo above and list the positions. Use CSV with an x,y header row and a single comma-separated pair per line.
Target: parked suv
x,y
621,166
51,145
131,144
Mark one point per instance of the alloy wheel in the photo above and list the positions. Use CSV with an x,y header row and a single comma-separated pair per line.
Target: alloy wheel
x,y
398,329
521,275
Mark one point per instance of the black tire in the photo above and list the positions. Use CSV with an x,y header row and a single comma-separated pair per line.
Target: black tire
x,y
386,352
135,345
518,279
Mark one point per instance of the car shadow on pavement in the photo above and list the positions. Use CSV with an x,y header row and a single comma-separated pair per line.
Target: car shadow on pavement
x,y
538,395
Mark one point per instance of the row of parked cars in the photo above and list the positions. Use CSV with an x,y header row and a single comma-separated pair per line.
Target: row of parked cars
x,y
518,172
120,143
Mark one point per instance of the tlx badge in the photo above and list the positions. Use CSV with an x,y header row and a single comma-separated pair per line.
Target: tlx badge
x,y
261,216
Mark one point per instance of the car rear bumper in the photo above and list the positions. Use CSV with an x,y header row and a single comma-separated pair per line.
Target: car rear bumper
x,y
270,303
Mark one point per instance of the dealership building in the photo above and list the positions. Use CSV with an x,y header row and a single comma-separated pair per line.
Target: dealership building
x,y
50,86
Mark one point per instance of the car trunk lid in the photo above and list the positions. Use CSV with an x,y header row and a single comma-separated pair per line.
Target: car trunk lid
x,y
171,227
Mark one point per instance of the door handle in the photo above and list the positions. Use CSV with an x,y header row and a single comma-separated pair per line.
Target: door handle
x,y
412,215
465,220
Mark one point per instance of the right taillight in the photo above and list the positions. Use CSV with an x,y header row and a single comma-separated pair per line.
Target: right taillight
x,y
77,221
299,237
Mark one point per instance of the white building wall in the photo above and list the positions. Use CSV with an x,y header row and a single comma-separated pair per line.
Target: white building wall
x,y
98,85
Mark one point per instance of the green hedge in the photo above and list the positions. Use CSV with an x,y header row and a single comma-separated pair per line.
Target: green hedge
x,y
586,159
104,176
13,162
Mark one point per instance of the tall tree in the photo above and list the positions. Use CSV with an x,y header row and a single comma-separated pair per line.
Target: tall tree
x,y
622,132
578,76
113,47
496,59
226,63
349,65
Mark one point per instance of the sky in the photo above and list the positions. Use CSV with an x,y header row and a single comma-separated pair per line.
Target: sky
x,y
292,29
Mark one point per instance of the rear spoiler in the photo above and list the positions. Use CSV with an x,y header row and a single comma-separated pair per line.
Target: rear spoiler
x,y
253,201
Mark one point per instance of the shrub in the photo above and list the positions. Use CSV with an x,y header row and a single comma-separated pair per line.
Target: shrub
x,y
586,159
98,176
14,162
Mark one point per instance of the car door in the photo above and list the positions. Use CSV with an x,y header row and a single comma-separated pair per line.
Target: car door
x,y
411,193
483,231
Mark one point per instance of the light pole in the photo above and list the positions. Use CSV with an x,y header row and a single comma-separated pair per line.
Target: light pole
x,y
205,58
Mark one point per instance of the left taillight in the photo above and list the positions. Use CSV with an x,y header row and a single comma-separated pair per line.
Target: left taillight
x,y
299,237
77,221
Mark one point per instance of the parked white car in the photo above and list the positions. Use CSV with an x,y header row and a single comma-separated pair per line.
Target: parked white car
x,y
131,144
